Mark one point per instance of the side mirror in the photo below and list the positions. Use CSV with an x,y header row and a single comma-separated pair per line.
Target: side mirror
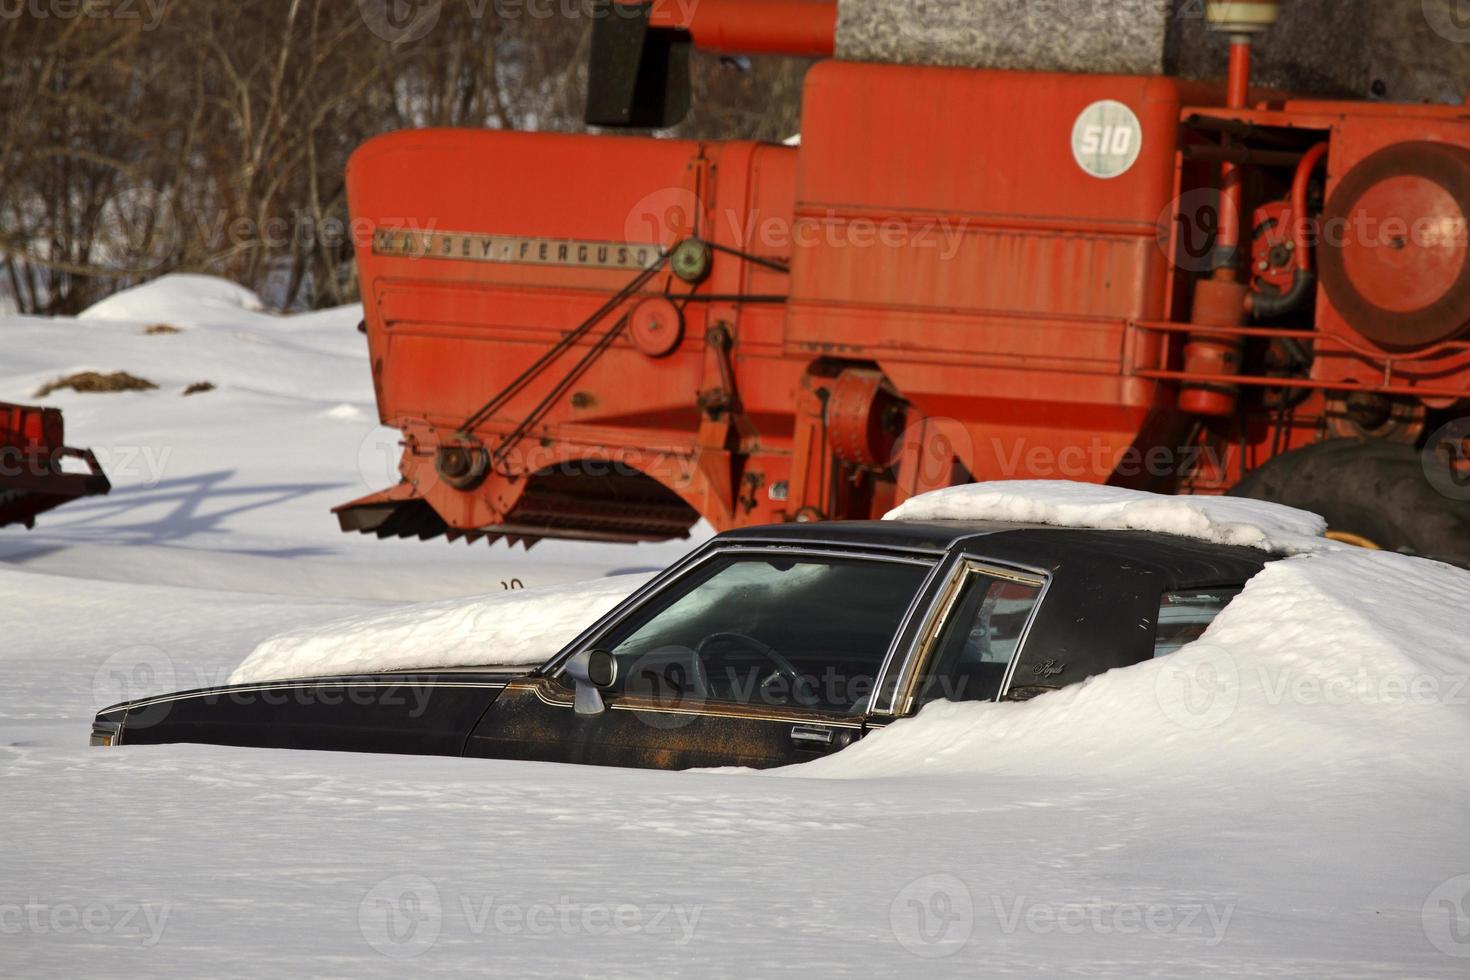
x,y
593,671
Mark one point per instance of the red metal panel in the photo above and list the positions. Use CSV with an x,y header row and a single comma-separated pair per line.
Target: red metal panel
x,y
1013,272
448,330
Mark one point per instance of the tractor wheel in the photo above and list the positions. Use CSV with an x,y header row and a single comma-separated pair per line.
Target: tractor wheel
x,y
1373,493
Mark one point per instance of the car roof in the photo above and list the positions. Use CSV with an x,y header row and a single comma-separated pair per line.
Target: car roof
x,y
1184,562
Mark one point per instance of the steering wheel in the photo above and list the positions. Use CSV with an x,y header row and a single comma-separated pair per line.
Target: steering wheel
x,y
784,667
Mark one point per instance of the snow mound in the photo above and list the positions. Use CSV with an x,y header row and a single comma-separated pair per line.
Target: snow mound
x,y
1223,520
181,300
1325,665
523,627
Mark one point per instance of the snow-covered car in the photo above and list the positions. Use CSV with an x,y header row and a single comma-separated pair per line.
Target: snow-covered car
x,y
764,647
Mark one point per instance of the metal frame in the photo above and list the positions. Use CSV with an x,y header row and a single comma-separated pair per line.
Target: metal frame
x,y
690,564
1335,344
936,617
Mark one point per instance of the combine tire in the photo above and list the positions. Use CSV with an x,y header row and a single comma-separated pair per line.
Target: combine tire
x,y
1372,493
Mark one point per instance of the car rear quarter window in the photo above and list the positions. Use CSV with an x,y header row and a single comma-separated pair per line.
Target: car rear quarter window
x,y
979,638
1185,615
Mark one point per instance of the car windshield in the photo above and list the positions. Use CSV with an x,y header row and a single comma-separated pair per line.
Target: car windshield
x,y
767,629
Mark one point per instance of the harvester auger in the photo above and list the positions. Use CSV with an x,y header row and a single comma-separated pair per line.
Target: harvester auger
x,y
960,274
32,478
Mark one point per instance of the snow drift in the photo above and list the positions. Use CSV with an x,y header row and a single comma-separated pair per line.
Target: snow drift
x,y
181,300
524,627
1223,520
1327,662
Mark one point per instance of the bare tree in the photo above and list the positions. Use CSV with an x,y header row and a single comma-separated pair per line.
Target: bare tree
x,y
218,140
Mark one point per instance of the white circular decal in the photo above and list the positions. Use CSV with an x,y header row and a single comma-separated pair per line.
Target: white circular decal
x,y
1107,139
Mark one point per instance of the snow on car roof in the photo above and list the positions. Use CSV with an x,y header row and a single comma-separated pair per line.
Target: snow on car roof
x,y
1221,520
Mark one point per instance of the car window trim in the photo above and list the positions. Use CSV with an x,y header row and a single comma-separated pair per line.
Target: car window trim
x,y
710,707
941,605
619,614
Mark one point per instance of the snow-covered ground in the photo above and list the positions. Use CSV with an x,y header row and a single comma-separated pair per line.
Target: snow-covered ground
x,y
1287,798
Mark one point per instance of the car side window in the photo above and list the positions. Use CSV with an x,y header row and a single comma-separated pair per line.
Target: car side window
x,y
1184,616
979,639
769,630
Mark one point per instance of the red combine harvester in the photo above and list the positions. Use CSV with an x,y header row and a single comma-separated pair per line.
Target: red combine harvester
x,y
958,275
32,481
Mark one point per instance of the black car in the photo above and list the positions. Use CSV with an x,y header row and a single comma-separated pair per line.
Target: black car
x,y
765,647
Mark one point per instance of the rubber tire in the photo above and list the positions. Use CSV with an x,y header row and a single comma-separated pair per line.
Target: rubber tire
x,y
1371,488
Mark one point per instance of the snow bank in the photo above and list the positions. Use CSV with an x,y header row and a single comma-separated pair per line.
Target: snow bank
x,y
1223,520
507,628
1327,663
181,300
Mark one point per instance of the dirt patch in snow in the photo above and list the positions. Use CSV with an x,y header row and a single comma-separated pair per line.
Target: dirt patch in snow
x,y
161,329
199,388
94,382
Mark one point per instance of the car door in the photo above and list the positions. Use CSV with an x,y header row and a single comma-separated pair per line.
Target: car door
x,y
755,657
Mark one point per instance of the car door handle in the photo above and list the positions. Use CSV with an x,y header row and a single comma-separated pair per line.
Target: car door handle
x,y
812,734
